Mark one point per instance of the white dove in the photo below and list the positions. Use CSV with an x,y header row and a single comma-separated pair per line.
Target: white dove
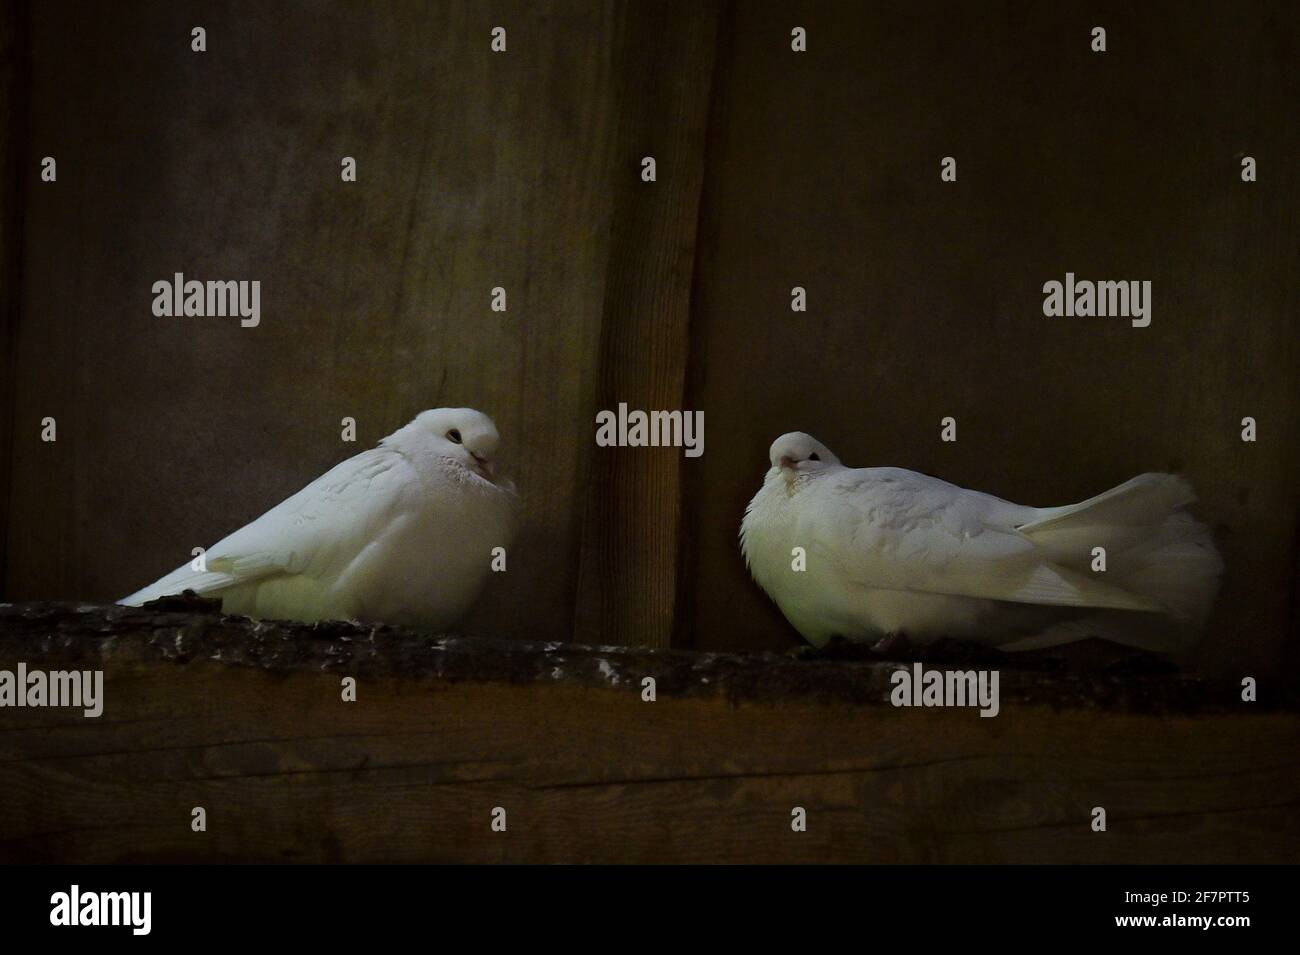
x,y
892,553
402,534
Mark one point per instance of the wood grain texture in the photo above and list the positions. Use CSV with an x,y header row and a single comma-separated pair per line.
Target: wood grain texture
x,y
585,770
15,76
632,534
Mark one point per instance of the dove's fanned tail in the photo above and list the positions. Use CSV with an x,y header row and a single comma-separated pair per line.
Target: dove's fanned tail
x,y
1154,549
1144,500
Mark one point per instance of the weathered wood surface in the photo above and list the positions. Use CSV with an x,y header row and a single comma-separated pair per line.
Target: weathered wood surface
x,y
628,584
246,720
15,75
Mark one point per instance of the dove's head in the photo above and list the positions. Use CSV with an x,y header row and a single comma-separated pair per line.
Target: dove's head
x,y
461,435
796,454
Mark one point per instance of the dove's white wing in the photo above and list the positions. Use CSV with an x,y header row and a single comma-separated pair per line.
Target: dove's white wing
x,y
315,534
887,528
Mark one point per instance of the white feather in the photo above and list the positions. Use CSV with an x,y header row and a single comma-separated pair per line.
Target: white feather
x,y
893,551
401,534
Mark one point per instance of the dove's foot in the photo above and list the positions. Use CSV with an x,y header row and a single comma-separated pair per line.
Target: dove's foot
x,y
1141,664
836,648
893,645
948,650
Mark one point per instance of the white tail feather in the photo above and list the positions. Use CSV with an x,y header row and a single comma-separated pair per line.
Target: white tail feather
x,y
1154,549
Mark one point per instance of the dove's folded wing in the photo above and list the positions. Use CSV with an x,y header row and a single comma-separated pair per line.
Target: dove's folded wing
x,y
896,530
316,533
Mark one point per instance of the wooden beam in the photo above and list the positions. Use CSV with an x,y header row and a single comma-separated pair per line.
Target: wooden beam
x,y
246,720
628,585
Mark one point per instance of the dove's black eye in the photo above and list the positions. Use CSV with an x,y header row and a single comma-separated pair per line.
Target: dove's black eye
x,y
814,456
453,436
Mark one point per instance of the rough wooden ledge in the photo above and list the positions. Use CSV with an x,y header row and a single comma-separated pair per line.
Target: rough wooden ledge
x,y
184,629
245,718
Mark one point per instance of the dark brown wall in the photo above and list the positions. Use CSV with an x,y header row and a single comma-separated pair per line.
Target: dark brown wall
x,y
817,169
925,297
15,74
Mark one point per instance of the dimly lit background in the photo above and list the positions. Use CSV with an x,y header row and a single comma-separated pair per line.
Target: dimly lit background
x,y
522,170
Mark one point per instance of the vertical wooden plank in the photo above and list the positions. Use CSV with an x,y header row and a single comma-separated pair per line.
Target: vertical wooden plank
x,y
706,240
14,74
628,584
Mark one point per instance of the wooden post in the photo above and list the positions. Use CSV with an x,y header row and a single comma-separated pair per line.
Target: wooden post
x,y
627,584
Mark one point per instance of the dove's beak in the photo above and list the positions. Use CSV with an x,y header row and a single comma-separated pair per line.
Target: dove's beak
x,y
787,463
483,466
